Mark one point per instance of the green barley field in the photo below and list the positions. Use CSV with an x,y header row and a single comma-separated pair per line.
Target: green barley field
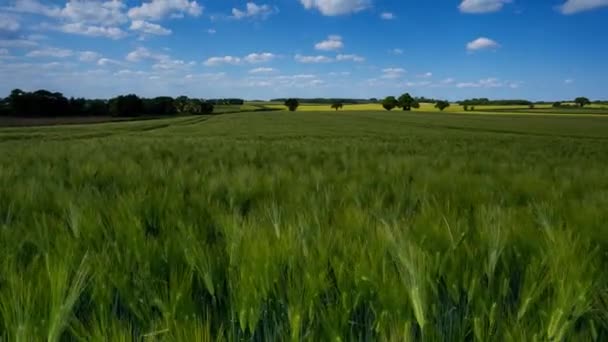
x,y
308,226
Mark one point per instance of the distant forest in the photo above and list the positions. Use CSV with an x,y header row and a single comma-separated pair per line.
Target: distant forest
x,y
43,103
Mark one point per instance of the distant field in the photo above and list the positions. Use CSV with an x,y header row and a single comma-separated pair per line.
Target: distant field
x,y
307,226
429,107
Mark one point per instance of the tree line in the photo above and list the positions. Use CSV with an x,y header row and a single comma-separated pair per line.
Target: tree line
x,y
43,103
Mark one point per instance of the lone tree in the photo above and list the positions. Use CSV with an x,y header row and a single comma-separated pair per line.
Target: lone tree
x,y
582,101
337,105
292,104
407,102
390,103
557,104
441,105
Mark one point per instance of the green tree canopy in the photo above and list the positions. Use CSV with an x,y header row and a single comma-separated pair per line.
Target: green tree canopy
x,y
407,102
441,105
292,104
389,103
582,101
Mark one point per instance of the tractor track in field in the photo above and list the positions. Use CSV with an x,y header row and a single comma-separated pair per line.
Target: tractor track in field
x,y
62,136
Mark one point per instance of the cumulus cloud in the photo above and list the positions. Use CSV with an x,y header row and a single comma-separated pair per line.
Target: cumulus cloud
x,y
18,43
262,70
211,31
482,6
149,28
142,53
259,57
353,58
392,73
336,7
576,6
387,16
252,58
84,17
488,83
108,13
396,51
333,42
51,52
426,75
160,9
8,23
482,43
93,31
108,61
215,61
161,61
252,10
89,56
568,81
312,59
172,64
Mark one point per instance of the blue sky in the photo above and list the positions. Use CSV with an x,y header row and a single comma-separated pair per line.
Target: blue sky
x,y
452,49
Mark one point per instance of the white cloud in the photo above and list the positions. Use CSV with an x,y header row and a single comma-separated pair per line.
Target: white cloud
x,y
89,56
8,23
172,64
252,58
354,58
85,17
336,7
482,6
93,31
149,28
51,52
487,83
568,81
426,75
215,61
35,7
333,42
259,57
108,13
342,73
392,73
312,59
128,72
417,84
160,9
253,11
108,61
448,80
211,31
576,6
261,70
18,43
482,43
387,16
296,77
396,51
141,53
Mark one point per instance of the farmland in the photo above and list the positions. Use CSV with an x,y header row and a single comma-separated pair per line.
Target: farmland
x,y
314,225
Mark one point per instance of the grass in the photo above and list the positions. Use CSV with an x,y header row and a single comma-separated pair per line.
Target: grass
x,y
306,226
